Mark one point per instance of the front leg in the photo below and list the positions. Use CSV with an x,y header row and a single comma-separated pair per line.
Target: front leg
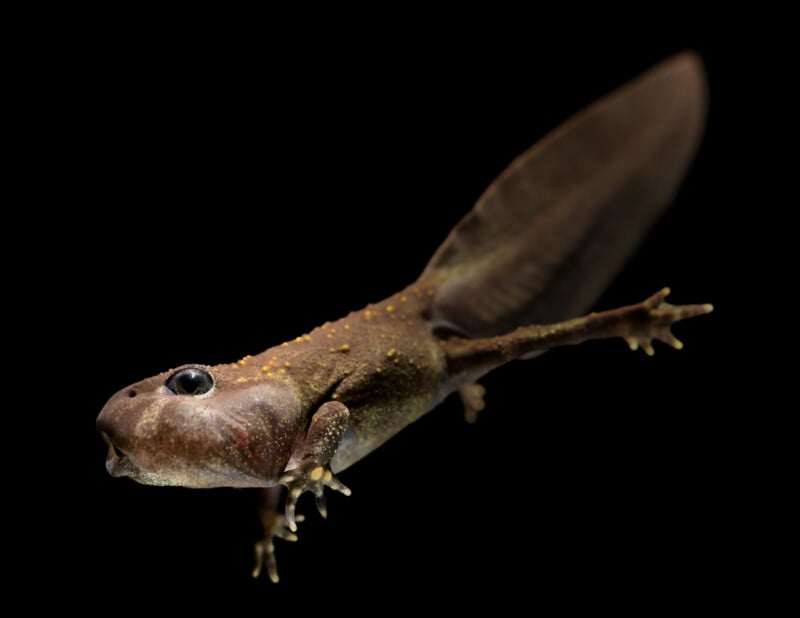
x,y
275,526
309,465
638,324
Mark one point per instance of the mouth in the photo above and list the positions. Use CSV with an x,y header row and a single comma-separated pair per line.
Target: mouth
x,y
117,462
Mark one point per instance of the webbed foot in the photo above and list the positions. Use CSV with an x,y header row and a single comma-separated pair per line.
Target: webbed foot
x,y
653,319
315,481
472,400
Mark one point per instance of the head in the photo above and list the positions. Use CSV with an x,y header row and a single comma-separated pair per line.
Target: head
x,y
197,426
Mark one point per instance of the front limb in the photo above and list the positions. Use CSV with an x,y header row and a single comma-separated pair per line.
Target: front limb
x,y
308,470
309,466
275,527
638,324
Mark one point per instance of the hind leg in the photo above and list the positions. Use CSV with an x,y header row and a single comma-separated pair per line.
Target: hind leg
x,y
639,325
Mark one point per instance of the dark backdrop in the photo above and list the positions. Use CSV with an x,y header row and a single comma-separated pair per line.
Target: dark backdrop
x,y
224,198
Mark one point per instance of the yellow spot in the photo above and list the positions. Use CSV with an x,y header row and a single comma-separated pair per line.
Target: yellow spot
x,y
306,337
404,299
332,350
285,344
316,473
389,308
378,369
241,380
298,340
328,476
334,396
344,348
333,331
329,336
391,353
347,327
270,375
266,368
287,364
234,366
242,362
283,370
368,315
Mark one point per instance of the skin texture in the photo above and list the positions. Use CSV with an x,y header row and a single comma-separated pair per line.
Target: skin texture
x,y
538,248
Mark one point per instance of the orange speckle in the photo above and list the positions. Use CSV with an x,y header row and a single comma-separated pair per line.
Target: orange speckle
x,y
266,368
391,353
347,327
298,340
344,348
241,380
285,344
368,315
306,337
329,336
389,308
234,366
378,369
404,299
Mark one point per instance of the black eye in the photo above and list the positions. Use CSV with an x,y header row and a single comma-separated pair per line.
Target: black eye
x,y
190,381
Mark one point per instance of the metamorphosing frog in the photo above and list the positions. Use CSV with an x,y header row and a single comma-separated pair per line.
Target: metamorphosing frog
x,y
539,247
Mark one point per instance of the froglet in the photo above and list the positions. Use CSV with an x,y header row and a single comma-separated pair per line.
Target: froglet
x,y
511,281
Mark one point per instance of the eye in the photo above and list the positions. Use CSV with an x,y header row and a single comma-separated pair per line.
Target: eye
x,y
190,381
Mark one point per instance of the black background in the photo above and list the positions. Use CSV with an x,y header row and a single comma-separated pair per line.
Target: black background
x,y
223,196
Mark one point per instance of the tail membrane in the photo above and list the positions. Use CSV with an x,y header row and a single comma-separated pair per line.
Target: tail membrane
x,y
549,234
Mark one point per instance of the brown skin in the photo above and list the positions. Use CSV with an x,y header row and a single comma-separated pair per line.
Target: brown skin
x,y
540,245
302,410
382,362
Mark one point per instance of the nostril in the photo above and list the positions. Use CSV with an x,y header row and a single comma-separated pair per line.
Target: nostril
x,y
131,393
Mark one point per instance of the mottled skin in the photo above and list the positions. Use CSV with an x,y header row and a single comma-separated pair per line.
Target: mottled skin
x,y
382,362
315,405
538,247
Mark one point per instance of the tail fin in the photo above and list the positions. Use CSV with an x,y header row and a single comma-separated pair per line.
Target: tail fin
x,y
548,235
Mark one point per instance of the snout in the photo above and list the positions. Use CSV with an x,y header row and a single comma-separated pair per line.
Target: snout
x,y
115,424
